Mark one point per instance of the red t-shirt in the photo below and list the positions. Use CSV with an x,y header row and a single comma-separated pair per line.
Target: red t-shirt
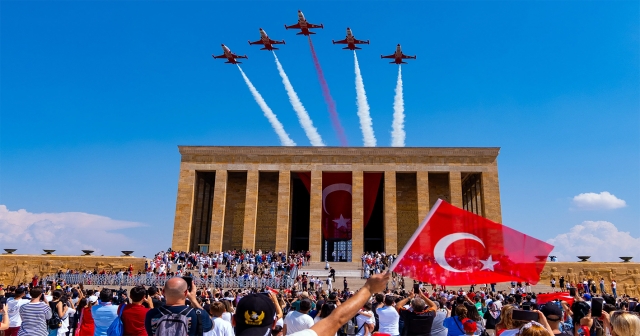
x,y
133,319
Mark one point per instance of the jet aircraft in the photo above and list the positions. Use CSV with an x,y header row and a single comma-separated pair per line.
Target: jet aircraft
x,y
398,56
266,41
350,41
231,57
303,25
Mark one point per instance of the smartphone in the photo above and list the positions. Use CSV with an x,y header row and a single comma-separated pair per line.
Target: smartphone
x,y
632,305
524,315
596,306
572,291
526,306
416,288
189,281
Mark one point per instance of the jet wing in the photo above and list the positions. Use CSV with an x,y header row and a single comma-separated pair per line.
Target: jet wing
x,y
276,42
389,56
256,42
311,25
236,56
360,41
406,56
295,26
340,41
221,56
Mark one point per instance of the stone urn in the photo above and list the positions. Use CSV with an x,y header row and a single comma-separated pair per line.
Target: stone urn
x,y
584,258
126,253
49,251
626,259
87,252
10,251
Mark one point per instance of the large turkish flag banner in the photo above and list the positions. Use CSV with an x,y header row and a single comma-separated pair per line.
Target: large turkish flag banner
x,y
336,206
456,247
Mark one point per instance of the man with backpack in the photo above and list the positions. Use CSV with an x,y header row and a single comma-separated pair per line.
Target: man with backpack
x,y
176,317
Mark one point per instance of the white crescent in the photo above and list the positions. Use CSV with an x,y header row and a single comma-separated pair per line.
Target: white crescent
x,y
334,187
443,244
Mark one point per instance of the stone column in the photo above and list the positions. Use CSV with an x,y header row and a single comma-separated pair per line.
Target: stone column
x,y
455,188
422,181
284,207
357,215
184,210
315,216
217,213
491,195
390,213
250,210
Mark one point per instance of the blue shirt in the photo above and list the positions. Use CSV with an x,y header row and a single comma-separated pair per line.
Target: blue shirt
x,y
103,315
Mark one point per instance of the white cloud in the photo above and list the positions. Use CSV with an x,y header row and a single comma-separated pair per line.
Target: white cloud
x,y
599,239
601,201
66,232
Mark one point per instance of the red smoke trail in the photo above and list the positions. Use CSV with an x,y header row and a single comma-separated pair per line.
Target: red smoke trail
x,y
331,105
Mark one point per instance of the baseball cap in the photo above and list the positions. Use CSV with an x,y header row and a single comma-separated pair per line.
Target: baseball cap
x,y
587,296
93,299
254,315
551,309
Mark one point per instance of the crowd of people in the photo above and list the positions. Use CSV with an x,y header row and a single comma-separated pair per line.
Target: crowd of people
x,y
182,307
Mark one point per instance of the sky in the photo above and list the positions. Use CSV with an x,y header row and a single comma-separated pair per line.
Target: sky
x,y
96,96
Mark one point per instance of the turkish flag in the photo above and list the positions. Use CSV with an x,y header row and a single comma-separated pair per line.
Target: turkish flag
x,y
562,296
456,247
336,206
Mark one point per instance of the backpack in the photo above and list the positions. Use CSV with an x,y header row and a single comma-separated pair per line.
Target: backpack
x,y
55,322
116,328
177,324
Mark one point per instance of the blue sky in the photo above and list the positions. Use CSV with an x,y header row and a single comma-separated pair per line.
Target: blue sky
x,y
97,95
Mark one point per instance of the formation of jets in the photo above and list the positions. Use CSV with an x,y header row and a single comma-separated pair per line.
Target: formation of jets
x,y
304,26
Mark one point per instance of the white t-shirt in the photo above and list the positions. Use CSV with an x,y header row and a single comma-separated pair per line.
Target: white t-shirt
x,y
388,319
297,321
361,320
220,328
307,332
13,308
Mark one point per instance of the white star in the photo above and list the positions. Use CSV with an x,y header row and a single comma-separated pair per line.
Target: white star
x,y
341,222
488,264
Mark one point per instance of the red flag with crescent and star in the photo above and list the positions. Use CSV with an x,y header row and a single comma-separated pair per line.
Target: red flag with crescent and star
x,y
455,247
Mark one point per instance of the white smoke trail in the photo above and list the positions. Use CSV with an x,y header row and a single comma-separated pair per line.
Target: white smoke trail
x,y
366,124
277,126
303,116
398,134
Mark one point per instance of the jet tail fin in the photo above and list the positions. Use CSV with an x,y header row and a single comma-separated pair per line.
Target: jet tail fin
x,y
404,63
301,33
357,47
272,48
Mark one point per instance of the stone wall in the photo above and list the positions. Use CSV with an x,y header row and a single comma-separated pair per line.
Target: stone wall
x,y
266,221
627,275
234,212
17,268
406,207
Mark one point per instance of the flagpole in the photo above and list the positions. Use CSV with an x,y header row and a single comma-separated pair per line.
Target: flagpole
x,y
415,235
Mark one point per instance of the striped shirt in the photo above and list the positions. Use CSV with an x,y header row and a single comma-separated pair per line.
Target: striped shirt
x,y
34,319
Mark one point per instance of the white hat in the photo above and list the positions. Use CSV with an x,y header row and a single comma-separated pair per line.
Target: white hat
x,y
93,299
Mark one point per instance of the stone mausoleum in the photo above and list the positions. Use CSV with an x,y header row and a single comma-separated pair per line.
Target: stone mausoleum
x,y
335,202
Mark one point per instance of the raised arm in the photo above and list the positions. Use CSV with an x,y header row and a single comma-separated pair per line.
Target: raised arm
x,y
347,310
430,303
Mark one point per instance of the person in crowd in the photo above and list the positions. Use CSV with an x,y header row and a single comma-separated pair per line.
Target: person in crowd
x,y
220,326
69,311
133,314
176,294
59,310
621,323
86,326
419,319
554,314
227,315
365,320
492,318
13,311
507,325
4,325
298,320
104,312
469,327
388,317
437,327
454,323
34,315
326,310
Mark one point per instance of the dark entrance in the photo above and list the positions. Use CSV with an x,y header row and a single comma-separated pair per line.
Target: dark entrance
x,y
300,212
374,231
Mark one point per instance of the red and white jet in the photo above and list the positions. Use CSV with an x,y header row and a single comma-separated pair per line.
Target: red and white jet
x,y
350,41
266,41
398,56
231,57
303,25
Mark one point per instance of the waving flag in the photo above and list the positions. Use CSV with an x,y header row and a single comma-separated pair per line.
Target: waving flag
x,y
456,247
